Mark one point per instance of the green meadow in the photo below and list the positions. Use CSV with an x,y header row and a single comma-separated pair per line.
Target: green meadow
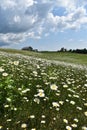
x,y
58,56
43,90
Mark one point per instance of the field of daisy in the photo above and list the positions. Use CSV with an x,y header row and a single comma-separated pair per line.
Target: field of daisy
x,y
38,94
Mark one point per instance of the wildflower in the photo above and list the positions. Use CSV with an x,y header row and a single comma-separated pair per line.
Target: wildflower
x,y
55,104
25,91
41,94
37,100
5,74
79,108
65,121
6,106
67,100
25,98
68,128
84,128
33,129
32,116
15,109
43,116
41,90
38,67
8,120
38,86
57,94
85,104
74,125
43,122
1,126
85,85
72,102
76,96
65,86
23,125
16,62
69,95
57,109
1,70
61,102
85,113
53,87
76,120
8,99
54,118
19,89
68,82
35,73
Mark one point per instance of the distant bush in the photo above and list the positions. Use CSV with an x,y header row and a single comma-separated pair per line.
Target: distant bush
x,y
29,49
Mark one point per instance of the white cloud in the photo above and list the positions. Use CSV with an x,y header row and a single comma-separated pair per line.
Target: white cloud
x,y
17,19
83,20
72,20
11,38
23,19
6,4
71,5
68,4
28,3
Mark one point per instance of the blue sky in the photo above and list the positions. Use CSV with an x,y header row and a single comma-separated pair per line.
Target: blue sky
x,y
43,24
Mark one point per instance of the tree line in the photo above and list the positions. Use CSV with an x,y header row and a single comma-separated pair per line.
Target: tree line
x,y
82,51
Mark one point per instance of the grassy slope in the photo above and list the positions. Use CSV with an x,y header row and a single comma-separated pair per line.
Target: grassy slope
x,y
59,56
67,57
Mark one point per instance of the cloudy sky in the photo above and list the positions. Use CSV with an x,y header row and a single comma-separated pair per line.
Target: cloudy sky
x,y
43,24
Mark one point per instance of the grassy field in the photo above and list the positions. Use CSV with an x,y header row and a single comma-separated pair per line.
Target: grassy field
x,y
67,57
36,94
58,56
